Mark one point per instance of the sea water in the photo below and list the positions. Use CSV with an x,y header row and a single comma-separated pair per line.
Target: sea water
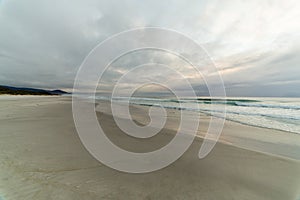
x,y
274,113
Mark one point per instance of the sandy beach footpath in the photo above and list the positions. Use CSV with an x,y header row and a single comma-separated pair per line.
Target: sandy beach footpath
x,y
41,157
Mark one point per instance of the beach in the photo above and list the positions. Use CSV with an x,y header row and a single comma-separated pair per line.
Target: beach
x,y
42,157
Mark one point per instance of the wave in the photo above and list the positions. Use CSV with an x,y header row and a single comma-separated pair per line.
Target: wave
x,y
220,111
295,107
226,100
249,103
230,102
185,100
263,113
275,121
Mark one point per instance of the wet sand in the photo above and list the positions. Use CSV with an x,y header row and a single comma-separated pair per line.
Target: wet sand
x,y
41,157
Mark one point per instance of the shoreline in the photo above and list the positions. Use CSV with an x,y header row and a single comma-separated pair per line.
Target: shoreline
x,y
264,140
227,119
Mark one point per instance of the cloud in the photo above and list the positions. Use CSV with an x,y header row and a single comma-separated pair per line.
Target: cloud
x,y
253,43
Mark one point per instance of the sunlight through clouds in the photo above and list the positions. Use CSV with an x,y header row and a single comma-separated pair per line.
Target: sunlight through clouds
x,y
50,41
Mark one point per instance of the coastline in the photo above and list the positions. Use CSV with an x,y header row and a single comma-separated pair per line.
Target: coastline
x,y
42,155
260,139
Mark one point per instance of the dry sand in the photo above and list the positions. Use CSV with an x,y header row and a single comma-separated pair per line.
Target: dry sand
x,y
41,157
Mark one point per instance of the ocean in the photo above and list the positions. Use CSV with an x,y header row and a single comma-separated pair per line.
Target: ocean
x,y
273,113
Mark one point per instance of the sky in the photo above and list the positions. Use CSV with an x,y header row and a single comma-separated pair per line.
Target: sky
x,y
255,44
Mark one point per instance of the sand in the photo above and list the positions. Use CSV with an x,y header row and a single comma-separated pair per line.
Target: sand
x,y
41,157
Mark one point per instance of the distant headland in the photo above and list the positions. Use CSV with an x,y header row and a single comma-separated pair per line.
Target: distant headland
x,y
29,91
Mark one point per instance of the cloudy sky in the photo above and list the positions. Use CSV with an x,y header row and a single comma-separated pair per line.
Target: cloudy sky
x,y
254,44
